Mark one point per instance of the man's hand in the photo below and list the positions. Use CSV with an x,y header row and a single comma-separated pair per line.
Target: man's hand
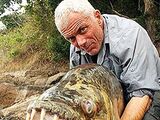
x,y
136,108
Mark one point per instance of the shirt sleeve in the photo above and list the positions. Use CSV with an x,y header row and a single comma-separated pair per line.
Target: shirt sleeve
x,y
141,93
139,60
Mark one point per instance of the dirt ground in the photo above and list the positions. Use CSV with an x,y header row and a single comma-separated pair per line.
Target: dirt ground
x,y
22,80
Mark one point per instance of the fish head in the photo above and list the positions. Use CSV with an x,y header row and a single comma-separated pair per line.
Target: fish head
x,y
80,95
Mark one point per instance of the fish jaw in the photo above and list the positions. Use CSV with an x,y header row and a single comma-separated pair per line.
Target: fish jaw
x,y
49,110
85,109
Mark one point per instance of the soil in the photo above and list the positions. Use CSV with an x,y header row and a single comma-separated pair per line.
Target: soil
x,y
23,80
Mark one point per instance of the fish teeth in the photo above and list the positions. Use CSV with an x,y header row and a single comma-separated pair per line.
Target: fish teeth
x,y
28,116
43,112
55,117
33,114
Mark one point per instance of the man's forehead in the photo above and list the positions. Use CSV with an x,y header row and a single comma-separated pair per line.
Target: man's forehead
x,y
74,23
73,17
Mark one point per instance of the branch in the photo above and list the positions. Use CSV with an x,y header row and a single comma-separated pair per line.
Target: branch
x,y
116,11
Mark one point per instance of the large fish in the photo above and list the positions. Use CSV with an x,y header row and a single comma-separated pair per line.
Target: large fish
x,y
87,92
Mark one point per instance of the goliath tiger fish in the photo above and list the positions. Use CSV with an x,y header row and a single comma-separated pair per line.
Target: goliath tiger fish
x,y
87,92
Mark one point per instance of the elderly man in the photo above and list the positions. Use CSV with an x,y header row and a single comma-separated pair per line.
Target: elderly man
x,y
119,44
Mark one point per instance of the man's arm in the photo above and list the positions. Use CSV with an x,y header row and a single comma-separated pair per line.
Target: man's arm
x,y
136,108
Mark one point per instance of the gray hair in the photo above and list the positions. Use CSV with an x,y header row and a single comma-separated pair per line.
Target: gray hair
x,y
69,6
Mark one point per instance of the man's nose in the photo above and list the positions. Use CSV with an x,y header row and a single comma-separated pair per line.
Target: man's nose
x,y
80,40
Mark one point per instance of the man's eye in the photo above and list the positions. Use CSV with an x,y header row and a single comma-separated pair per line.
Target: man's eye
x,y
71,39
83,30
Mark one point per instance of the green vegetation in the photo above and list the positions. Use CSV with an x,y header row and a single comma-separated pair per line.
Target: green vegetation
x,y
55,43
59,47
35,30
14,41
32,32
14,20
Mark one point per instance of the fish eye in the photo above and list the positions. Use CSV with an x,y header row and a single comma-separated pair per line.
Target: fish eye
x,y
88,107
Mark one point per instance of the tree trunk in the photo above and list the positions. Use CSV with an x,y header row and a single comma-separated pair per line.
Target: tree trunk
x,y
151,14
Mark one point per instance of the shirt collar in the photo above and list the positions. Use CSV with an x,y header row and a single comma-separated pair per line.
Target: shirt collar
x,y
77,50
105,20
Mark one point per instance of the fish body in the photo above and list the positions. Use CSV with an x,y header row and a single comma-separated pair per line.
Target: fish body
x,y
87,92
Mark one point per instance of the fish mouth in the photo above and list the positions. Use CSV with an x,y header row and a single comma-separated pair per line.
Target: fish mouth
x,y
61,110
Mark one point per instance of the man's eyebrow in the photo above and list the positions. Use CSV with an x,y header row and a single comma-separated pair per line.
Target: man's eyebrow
x,y
76,31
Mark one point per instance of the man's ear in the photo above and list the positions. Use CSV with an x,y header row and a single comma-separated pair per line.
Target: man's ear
x,y
97,14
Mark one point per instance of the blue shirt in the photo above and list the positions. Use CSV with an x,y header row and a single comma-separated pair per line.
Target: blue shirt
x,y
127,51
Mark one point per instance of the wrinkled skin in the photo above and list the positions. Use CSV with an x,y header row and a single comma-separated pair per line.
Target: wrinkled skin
x,y
88,92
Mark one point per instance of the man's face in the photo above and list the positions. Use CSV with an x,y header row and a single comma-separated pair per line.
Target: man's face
x,y
85,33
